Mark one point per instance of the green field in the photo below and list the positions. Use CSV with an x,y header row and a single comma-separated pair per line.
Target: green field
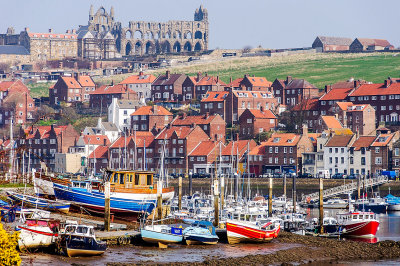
x,y
319,69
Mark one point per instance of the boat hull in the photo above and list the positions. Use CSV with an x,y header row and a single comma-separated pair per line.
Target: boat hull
x,y
35,237
39,203
363,229
120,203
393,207
80,246
153,237
200,239
242,232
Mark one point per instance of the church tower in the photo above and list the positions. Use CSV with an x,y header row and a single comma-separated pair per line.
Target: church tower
x,y
201,14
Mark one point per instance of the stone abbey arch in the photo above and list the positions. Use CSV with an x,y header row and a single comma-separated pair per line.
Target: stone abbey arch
x,y
147,38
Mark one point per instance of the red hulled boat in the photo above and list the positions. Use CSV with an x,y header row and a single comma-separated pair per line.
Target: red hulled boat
x,y
246,231
359,224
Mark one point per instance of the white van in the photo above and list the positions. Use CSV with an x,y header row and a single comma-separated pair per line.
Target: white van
x,y
324,174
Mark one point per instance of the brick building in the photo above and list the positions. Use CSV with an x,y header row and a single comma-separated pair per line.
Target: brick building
x,y
283,152
235,154
381,151
252,83
177,143
364,44
72,89
359,118
15,102
254,121
168,87
203,157
148,118
41,143
98,160
213,125
141,84
197,87
215,103
328,122
325,44
102,96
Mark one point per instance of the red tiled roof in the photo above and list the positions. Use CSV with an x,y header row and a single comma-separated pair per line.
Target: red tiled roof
x,y
96,139
266,114
339,141
375,42
215,96
209,80
258,150
336,94
235,83
363,142
331,122
234,146
143,140
376,89
283,139
149,110
139,79
306,105
116,89
71,82
205,147
101,152
86,81
344,105
313,137
259,81
43,131
4,85
120,142
181,132
382,140
193,119
52,35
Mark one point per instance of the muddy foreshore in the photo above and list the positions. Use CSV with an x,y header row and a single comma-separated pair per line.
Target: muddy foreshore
x,y
312,250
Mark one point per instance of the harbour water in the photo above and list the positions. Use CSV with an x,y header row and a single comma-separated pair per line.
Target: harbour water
x,y
389,230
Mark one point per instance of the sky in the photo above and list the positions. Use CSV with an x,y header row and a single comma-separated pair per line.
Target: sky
x,y
232,23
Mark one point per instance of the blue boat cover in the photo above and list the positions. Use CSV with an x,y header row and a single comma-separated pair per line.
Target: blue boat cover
x,y
176,231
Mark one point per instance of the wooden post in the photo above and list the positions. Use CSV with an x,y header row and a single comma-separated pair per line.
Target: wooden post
x,y
294,193
236,185
159,200
180,193
190,184
358,187
222,191
270,198
284,185
321,206
216,203
107,206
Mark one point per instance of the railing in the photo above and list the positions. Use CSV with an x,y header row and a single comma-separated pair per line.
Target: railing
x,y
347,188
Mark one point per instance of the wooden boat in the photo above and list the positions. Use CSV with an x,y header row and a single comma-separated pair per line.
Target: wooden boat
x,y
248,231
200,232
80,240
161,235
132,192
358,224
35,202
37,233
43,184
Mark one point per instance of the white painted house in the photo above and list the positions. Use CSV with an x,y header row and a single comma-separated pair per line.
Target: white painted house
x,y
336,154
119,112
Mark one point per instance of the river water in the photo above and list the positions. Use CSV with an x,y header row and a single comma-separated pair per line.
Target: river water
x,y
389,229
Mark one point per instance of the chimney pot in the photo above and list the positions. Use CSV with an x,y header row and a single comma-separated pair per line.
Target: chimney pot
x,y
26,29
50,30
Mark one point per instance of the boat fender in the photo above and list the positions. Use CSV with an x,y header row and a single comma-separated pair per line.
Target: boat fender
x,y
120,240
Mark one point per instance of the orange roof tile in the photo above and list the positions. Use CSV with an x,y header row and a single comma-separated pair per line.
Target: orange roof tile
x,y
363,142
339,141
331,122
313,137
139,79
336,94
116,89
120,142
204,148
258,150
215,96
86,81
193,120
181,132
235,83
4,85
101,152
283,139
149,110
96,139
376,89
236,146
344,105
259,81
266,114
210,80
382,140
306,105
71,82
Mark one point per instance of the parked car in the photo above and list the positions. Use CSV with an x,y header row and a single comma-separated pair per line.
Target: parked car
x,y
338,176
353,176
305,175
266,175
278,175
246,175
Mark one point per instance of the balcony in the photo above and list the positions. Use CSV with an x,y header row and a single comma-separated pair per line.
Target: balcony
x,y
309,161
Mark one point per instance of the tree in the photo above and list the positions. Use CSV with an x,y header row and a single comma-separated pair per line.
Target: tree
x,y
263,136
246,49
5,67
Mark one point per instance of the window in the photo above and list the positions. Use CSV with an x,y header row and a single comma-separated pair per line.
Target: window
x,y
276,160
373,98
330,150
52,141
336,160
284,149
291,161
180,141
180,150
336,150
270,149
378,160
377,149
383,108
249,120
383,97
291,150
362,160
323,102
284,160
276,149
270,160
342,159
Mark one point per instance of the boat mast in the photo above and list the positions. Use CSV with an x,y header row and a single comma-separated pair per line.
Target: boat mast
x,y
12,149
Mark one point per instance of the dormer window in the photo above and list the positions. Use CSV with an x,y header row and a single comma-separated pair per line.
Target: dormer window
x,y
276,140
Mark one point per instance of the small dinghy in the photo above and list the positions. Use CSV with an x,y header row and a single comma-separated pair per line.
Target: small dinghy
x,y
161,234
200,232
80,240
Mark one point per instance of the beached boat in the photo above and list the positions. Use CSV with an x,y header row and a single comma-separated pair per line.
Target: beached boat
x,y
200,232
336,203
43,184
393,203
248,231
50,205
80,240
37,233
161,235
132,192
358,224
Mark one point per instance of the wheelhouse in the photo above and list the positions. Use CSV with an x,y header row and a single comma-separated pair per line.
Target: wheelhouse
x,y
129,179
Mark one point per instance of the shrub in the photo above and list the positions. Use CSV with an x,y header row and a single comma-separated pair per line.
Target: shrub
x,y
8,248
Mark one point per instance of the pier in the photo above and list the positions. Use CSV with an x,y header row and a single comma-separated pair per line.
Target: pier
x,y
347,188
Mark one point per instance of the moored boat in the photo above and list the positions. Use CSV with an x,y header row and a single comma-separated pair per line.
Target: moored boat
x,y
80,240
336,203
358,224
161,234
200,232
393,203
37,233
247,231
50,205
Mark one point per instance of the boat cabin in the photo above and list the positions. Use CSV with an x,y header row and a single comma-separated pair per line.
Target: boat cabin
x,y
81,230
129,179
356,216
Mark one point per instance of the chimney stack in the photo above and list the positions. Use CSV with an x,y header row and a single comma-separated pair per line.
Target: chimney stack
x,y
50,30
198,76
305,130
104,142
168,74
288,79
73,31
155,109
140,73
217,79
387,83
26,29
230,80
68,32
